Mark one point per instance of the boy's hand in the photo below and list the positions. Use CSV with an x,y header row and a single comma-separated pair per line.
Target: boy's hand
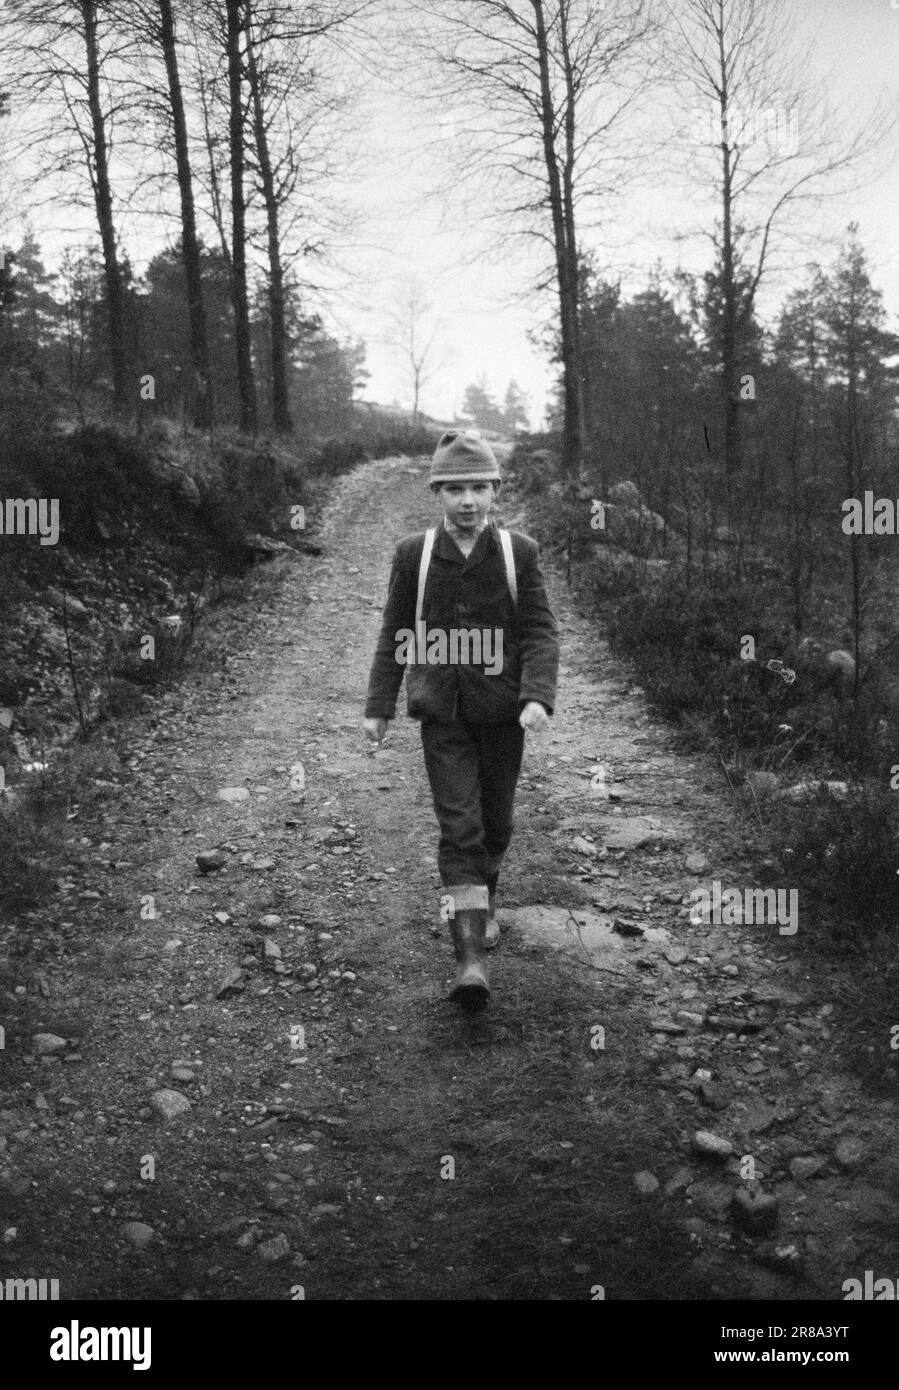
x,y
534,717
376,729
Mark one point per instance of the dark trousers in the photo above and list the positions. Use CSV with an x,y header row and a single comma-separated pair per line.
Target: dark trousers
x,y
473,771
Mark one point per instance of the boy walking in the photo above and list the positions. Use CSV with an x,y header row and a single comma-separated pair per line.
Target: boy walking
x,y
467,614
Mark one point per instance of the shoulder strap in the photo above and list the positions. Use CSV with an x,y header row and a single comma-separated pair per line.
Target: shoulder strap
x,y
427,548
430,537
509,557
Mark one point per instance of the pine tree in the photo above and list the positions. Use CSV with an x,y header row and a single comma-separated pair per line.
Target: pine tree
x,y
515,408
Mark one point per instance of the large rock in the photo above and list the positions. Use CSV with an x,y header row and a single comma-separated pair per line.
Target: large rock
x,y
169,1104
48,1044
713,1094
850,1152
626,494
209,860
834,669
631,527
138,1234
233,794
807,1166
585,936
712,1145
274,1249
635,832
231,984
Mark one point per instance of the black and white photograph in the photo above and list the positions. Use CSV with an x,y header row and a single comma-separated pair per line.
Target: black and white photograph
x,y
449,670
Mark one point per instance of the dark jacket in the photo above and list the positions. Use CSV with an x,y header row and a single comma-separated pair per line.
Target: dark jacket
x,y
470,593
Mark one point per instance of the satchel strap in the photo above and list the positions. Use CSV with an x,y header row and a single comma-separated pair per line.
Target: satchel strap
x,y
427,550
509,557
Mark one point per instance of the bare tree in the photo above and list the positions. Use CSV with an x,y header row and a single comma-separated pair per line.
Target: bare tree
x,y
774,143
7,193
100,180
69,59
293,97
542,85
236,26
190,247
413,334
272,196
208,80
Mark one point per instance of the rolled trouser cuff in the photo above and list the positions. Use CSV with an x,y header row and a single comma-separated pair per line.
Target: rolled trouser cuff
x,y
466,897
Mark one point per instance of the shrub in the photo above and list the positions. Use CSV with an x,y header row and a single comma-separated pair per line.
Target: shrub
x,y
685,643
842,854
24,878
371,441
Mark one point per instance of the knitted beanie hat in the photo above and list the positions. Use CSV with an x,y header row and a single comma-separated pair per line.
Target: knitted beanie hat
x,y
464,454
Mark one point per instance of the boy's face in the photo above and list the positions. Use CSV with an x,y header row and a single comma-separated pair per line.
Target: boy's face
x,y
467,503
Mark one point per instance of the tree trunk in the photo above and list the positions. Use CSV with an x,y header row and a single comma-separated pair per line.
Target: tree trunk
x,y
572,265
214,186
729,376
853,479
190,249
245,383
280,402
417,394
103,203
565,253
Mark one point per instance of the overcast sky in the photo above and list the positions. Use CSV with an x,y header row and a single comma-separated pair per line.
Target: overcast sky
x,y
482,309
857,52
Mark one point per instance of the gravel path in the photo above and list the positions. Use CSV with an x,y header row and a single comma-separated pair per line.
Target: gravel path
x,y
252,1085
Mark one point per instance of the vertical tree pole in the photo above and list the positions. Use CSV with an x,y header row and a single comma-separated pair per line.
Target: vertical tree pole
x,y
729,380
565,248
103,203
281,417
190,248
575,441
245,383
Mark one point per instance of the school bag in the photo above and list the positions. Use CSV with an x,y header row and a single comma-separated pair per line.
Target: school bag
x,y
430,536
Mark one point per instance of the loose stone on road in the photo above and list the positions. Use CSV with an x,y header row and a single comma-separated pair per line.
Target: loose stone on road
x,y
340,1127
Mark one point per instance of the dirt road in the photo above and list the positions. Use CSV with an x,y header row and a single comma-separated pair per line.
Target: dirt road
x,y
348,1135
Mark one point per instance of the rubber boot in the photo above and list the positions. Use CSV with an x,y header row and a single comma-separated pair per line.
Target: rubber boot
x,y
471,990
491,934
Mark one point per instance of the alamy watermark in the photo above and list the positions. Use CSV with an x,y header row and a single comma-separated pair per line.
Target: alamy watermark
x,y
873,1290
752,906
29,516
458,646
771,126
863,516
29,1290
77,1343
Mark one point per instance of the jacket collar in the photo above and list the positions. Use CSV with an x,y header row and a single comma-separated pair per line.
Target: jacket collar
x,y
447,549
